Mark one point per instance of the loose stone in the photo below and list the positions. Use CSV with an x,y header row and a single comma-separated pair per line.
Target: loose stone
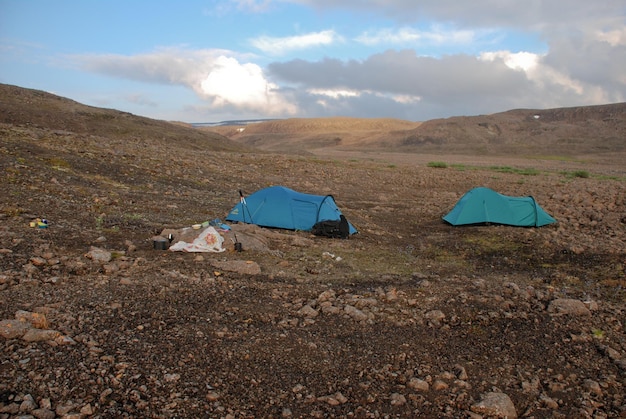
x,y
418,385
498,405
568,306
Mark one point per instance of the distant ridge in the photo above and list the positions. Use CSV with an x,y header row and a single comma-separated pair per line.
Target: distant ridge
x,y
559,131
236,122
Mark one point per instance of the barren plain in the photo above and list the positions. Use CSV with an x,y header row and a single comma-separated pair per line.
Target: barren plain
x,y
411,317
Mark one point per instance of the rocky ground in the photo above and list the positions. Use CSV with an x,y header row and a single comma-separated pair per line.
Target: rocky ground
x,y
409,318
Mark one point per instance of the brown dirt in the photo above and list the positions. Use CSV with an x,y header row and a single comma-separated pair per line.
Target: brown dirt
x,y
162,334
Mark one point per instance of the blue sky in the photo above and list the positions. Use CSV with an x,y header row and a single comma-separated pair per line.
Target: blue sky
x,y
215,60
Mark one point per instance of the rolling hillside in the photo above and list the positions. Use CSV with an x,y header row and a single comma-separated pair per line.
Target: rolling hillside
x,y
572,131
36,109
562,131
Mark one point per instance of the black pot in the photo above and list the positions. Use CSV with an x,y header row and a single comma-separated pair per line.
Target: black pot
x,y
161,244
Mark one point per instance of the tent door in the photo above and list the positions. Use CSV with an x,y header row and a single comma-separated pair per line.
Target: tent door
x,y
304,214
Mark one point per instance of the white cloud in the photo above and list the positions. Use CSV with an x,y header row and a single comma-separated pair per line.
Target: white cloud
x,y
407,35
254,6
525,61
216,75
164,66
403,73
613,37
279,46
406,99
243,85
407,85
335,93
530,64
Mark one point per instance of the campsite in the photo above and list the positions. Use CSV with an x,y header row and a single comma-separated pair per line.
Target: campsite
x,y
409,316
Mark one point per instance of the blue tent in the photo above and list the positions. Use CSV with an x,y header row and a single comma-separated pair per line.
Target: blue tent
x,y
281,207
484,205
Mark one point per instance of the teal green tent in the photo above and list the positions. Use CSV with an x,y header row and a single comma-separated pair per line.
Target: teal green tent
x,y
486,206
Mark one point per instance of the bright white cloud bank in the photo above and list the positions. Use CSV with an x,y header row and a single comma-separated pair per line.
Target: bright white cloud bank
x,y
243,85
222,80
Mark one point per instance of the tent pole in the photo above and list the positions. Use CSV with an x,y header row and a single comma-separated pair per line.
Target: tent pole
x,y
244,207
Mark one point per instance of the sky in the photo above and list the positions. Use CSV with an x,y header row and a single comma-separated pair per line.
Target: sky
x,y
221,60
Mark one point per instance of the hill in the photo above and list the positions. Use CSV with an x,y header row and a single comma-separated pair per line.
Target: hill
x,y
563,131
306,134
411,317
38,109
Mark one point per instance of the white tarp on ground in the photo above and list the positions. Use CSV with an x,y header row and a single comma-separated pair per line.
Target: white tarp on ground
x,y
209,240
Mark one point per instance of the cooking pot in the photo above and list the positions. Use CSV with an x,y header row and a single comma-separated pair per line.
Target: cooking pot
x,y
160,244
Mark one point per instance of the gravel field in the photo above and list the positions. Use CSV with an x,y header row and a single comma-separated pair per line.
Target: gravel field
x,y
411,317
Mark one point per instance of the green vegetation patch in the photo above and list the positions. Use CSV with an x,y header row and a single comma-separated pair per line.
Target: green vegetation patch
x,y
460,167
554,158
583,174
500,169
577,174
491,244
507,169
58,163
